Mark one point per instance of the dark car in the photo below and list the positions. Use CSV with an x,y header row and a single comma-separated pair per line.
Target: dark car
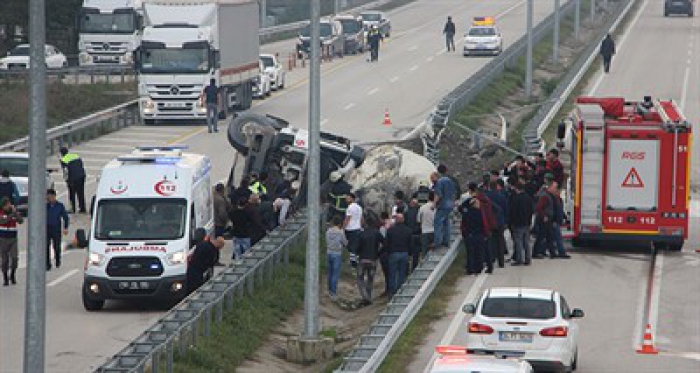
x,y
332,38
678,7
354,33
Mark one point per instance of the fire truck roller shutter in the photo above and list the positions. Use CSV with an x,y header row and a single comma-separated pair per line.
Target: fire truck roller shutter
x,y
633,172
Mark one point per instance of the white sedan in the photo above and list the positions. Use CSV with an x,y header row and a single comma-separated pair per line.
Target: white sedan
x,y
480,40
274,69
17,164
18,58
455,359
535,325
262,86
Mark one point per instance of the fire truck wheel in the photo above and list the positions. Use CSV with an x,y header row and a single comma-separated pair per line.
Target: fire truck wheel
x,y
577,242
675,246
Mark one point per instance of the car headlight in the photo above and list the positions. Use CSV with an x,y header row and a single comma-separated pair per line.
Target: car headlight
x,y
84,57
95,259
271,74
177,258
149,104
128,58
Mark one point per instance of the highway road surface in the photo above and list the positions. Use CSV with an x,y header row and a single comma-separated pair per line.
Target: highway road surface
x,y
413,73
658,57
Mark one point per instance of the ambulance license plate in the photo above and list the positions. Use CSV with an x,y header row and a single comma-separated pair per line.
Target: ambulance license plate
x,y
515,337
134,285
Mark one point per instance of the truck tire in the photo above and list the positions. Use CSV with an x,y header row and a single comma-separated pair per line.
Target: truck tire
x,y
91,304
148,122
237,138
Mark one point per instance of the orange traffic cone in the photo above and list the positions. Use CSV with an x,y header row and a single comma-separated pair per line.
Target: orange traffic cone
x,y
387,120
648,343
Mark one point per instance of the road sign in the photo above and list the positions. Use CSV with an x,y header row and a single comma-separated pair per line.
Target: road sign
x,y
633,180
633,173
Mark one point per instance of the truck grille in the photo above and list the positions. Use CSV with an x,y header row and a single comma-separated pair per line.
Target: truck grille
x,y
106,47
135,267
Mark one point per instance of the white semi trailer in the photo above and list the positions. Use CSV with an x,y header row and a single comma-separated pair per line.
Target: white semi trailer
x,y
108,31
184,44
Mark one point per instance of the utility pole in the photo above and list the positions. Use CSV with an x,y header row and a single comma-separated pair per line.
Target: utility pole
x,y
528,67
263,13
592,11
557,18
577,19
35,310
311,288
336,6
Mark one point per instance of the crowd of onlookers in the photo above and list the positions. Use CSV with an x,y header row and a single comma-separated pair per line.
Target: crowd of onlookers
x,y
523,199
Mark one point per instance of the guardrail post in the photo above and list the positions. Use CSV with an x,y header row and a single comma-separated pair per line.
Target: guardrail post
x,y
251,283
577,19
76,76
155,362
170,357
92,76
219,311
122,74
207,321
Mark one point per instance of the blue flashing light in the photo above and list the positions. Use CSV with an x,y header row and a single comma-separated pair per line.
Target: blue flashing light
x,y
167,160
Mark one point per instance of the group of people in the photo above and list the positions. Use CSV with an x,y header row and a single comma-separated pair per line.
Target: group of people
x,y
395,240
509,200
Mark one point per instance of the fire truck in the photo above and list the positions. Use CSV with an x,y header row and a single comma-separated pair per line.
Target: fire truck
x,y
630,172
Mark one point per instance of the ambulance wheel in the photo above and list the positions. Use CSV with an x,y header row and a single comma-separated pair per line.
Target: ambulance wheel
x,y
81,238
91,304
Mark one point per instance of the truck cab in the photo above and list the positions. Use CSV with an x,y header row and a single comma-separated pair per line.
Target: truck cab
x,y
147,207
108,31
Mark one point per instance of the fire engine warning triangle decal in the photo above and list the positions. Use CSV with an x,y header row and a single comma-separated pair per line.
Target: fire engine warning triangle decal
x,y
632,180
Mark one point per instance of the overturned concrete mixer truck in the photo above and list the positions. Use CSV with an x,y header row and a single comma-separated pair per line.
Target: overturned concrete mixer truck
x,y
269,144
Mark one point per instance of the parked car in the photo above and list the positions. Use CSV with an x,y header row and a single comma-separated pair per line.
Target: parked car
x,y
18,166
274,70
354,33
262,86
332,38
455,359
18,58
532,324
483,38
379,19
678,7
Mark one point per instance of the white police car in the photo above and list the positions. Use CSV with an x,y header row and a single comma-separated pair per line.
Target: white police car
x,y
533,324
455,359
483,38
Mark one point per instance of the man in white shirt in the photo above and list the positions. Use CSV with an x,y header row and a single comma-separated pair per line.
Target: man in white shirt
x,y
353,225
426,218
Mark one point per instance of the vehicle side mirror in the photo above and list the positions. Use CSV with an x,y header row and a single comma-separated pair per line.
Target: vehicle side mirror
x,y
576,313
561,130
216,58
136,57
469,309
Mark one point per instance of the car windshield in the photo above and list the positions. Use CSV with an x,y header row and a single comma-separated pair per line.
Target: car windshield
x,y
22,50
350,26
371,17
267,61
482,31
120,23
519,308
325,30
17,167
141,219
174,61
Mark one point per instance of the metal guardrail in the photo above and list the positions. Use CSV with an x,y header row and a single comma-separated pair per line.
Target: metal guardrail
x,y
111,74
372,348
83,129
463,95
532,135
195,316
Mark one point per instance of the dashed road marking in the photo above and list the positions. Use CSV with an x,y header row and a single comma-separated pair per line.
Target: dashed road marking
x,y
413,48
372,91
413,68
349,106
394,79
62,278
429,59
324,121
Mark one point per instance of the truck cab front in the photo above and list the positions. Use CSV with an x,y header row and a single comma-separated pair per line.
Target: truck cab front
x,y
108,32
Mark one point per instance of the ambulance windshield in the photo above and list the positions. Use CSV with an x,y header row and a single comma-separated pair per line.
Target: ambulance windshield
x,y
141,219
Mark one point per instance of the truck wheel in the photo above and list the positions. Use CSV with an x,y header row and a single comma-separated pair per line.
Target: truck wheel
x,y
90,304
148,122
237,138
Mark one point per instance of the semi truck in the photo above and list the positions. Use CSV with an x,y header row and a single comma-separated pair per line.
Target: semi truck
x,y
185,44
630,172
108,31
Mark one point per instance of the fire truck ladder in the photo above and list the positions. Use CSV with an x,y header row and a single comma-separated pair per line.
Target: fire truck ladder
x,y
593,148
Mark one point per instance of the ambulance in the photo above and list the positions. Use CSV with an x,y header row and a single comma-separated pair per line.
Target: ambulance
x,y
630,176
147,207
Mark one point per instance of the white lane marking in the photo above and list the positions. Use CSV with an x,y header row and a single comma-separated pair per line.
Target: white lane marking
x,y
349,106
653,316
62,278
411,49
23,257
429,59
372,91
458,321
622,41
637,335
394,79
413,68
684,91
441,52
695,208
324,121
512,8
682,355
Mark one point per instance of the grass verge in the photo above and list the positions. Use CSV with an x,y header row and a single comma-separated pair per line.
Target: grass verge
x,y
249,323
65,102
434,308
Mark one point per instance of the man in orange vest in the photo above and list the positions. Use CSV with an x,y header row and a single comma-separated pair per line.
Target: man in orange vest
x,y
9,258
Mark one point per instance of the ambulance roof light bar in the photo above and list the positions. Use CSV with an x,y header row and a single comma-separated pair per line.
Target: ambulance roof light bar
x,y
162,148
483,21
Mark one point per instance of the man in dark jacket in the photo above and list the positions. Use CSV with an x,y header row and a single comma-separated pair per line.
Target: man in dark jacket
x,y
607,51
241,227
10,218
478,222
411,217
74,173
8,188
370,242
555,167
449,32
201,263
497,242
374,37
258,230
398,244
55,215
545,213
222,209
334,193
521,210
